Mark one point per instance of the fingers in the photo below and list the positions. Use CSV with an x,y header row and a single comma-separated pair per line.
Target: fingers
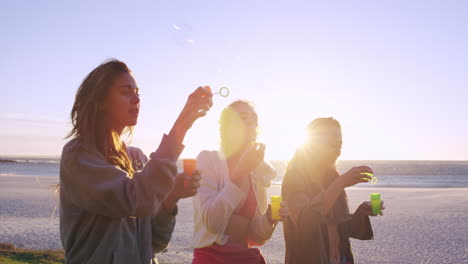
x,y
201,99
366,207
202,91
359,178
364,169
284,215
193,181
256,151
196,177
362,179
284,211
206,91
358,174
203,94
260,151
253,146
256,147
198,103
261,147
362,176
189,191
191,184
180,177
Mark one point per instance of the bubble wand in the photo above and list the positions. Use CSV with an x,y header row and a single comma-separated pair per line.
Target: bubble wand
x,y
223,91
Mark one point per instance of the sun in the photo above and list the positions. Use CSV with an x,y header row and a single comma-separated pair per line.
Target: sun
x,y
282,143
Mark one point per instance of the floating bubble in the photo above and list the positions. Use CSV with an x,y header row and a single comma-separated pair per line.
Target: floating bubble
x,y
183,34
176,27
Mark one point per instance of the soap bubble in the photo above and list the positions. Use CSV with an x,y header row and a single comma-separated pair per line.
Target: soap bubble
x,y
183,34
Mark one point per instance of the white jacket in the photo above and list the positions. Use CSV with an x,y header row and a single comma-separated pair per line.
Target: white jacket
x,y
218,198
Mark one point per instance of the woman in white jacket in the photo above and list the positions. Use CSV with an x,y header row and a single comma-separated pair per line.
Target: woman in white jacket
x,y
231,210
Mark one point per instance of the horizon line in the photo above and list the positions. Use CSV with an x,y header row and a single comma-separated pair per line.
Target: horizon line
x,y
58,157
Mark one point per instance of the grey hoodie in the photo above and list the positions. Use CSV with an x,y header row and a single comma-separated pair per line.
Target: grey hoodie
x,y
107,216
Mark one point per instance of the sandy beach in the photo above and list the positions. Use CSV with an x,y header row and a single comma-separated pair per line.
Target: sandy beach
x,y
419,225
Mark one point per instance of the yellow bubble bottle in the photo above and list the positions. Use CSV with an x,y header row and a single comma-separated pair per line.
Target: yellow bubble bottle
x,y
275,206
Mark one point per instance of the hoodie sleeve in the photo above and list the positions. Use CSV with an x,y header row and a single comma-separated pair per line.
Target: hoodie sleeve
x,y
97,186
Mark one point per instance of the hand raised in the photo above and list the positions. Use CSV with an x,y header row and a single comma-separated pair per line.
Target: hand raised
x,y
248,161
355,176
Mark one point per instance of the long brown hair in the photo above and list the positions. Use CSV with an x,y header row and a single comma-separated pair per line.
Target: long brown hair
x,y
88,118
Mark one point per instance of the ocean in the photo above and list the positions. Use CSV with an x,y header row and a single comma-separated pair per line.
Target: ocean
x,y
390,174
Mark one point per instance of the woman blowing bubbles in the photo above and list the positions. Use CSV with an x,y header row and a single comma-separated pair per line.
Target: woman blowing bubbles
x,y
231,208
320,225
117,207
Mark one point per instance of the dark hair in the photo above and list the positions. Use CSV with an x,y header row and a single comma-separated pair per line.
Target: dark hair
x,y
321,124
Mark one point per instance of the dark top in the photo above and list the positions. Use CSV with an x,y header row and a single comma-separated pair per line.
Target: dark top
x,y
305,232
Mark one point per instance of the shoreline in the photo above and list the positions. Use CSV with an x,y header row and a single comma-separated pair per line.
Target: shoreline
x,y
54,179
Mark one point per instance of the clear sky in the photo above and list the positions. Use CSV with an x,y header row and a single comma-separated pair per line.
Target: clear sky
x,y
394,73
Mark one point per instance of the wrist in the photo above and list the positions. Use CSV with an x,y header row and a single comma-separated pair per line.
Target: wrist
x,y
178,132
339,183
358,211
170,202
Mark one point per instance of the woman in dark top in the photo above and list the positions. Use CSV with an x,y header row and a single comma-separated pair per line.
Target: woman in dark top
x,y
320,225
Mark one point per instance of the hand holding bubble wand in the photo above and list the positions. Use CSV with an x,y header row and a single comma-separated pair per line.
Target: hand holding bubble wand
x,y
373,179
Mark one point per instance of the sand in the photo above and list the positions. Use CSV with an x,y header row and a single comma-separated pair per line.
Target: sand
x,y
418,226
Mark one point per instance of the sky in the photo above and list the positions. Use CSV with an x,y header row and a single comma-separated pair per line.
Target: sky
x,y
394,73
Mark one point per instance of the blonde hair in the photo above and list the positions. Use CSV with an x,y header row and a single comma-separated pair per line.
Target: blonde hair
x,y
228,115
88,117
